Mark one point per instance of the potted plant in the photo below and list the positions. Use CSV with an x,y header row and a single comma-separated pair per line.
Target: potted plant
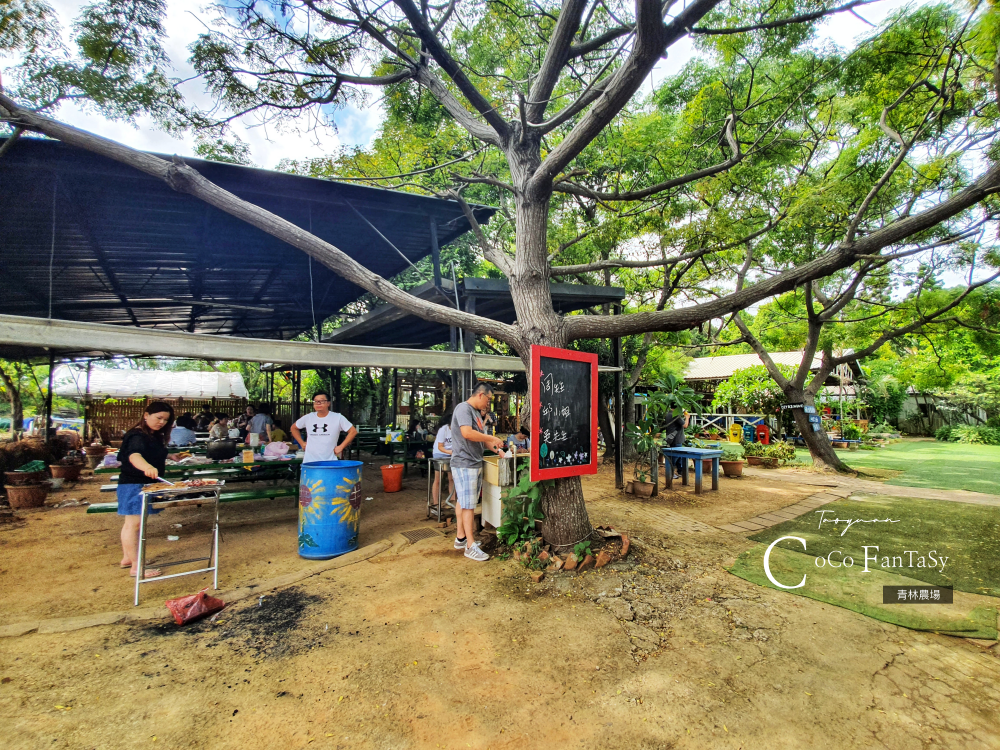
x,y
645,437
731,462
778,453
754,453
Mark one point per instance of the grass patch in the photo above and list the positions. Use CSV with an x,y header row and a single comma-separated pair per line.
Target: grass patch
x,y
968,535
932,464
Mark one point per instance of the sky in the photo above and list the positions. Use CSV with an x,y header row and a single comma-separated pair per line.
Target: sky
x,y
355,125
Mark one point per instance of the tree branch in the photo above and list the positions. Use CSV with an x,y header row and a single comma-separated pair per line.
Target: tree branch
x,y
555,58
565,186
453,69
652,37
803,18
493,254
842,256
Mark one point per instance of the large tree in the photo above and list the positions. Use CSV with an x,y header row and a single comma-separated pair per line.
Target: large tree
x,y
540,84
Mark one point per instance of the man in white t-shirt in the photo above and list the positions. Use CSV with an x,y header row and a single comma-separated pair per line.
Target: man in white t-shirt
x,y
322,430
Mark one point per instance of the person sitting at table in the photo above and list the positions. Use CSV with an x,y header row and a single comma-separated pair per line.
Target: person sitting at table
x,y
183,431
203,420
277,434
261,424
519,440
220,427
442,449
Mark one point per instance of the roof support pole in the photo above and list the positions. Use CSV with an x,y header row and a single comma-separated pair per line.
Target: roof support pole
x,y
48,398
616,347
339,376
469,342
435,252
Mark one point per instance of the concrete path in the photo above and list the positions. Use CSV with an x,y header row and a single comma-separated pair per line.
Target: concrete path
x,y
874,488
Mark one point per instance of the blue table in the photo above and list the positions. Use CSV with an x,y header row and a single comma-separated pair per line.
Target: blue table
x,y
697,455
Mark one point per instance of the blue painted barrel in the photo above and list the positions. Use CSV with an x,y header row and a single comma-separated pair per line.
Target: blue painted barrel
x,y
329,508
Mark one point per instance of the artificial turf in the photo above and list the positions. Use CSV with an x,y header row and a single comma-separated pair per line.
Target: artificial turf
x,y
968,535
927,463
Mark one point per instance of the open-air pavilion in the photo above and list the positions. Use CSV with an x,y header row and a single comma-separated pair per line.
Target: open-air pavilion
x,y
98,260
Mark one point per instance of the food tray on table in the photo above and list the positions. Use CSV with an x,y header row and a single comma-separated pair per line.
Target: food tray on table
x,y
189,489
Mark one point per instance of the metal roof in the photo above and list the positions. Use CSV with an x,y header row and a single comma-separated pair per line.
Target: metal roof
x,y
722,368
387,325
114,245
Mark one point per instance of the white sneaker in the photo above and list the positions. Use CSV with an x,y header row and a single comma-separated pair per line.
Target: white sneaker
x,y
475,553
460,544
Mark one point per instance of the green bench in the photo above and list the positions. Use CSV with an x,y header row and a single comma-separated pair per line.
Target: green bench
x,y
226,496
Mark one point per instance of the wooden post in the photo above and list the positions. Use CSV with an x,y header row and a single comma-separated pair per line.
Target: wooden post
x,y
395,395
655,457
337,387
86,399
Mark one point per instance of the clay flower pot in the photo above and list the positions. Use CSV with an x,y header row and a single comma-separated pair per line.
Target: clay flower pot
x,y
642,489
26,496
769,463
732,468
755,460
69,473
95,450
839,444
24,478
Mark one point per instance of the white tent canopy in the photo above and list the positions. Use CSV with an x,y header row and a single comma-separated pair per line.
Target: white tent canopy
x,y
71,382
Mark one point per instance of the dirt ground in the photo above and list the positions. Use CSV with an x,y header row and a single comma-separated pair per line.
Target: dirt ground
x,y
418,647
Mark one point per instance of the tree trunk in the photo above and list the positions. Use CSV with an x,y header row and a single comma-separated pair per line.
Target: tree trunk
x,y
566,520
14,396
820,449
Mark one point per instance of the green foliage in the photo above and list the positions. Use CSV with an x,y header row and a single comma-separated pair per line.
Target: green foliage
x,y
522,508
116,63
943,433
974,434
754,450
779,450
849,430
753,389
582,549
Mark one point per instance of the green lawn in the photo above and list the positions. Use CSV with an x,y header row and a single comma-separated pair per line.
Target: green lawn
x,y
951,466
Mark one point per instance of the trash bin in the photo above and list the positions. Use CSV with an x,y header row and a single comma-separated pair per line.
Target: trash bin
x,y
392,477
329,508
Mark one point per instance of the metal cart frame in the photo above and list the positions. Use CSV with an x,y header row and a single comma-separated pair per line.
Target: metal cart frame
x,y
177,500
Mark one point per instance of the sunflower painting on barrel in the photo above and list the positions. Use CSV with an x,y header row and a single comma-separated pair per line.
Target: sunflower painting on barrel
x,y
322,506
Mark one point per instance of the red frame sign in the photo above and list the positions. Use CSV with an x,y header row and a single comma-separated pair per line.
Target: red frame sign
x,y
537,352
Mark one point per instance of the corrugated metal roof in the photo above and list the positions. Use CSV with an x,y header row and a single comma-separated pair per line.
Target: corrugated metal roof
x,y
721,368
128,250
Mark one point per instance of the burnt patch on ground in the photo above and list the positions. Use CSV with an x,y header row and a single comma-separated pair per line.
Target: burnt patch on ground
x,y
273,625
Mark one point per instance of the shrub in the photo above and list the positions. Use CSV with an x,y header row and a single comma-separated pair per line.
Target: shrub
x,y
522,509
780,450
975,434
943,433
754,449
850,431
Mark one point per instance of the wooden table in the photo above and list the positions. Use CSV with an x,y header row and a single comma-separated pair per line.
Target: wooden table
x,y
697,455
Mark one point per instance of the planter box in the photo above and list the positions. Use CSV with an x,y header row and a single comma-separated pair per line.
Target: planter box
x,y
840,444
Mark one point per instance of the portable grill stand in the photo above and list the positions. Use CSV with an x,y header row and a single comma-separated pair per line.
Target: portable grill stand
x,y
177,499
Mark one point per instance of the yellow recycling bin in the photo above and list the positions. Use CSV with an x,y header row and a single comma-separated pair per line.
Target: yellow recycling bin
x,y
735,433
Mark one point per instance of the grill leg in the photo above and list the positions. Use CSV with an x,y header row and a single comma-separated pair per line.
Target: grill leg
x,y
142,550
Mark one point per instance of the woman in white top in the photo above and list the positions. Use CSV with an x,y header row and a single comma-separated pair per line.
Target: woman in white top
x,y
442,449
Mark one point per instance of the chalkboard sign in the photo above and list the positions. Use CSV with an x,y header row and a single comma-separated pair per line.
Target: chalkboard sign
x,y
563,413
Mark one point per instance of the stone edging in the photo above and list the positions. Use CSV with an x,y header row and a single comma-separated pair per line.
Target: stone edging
x,y
139,614
773,518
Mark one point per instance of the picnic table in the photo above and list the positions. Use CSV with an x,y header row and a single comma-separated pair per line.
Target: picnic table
x,y
229,469
697,455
